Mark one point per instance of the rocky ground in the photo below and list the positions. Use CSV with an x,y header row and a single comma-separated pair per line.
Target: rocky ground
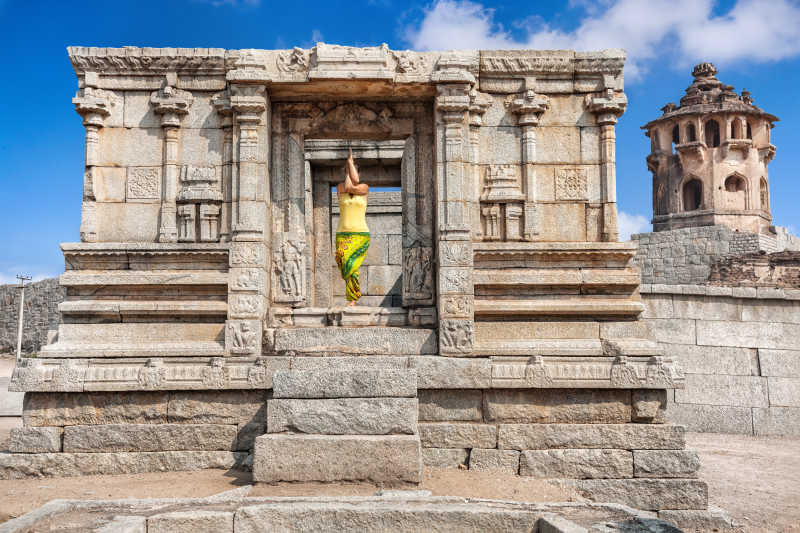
x,y
754,478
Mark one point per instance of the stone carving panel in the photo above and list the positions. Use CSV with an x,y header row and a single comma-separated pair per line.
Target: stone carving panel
x,y
247,254
456,336
457,306
289,270
144,183
243,337
455,280
418,274
293,61
247,279
571,184
153,375
455,253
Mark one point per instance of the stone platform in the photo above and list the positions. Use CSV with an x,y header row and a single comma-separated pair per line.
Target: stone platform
x,y
235,512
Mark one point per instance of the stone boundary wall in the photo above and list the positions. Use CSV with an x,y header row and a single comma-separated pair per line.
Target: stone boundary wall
x,y
685,255
41,314
740,349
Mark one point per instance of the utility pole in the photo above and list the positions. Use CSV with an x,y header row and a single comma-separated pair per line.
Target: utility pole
x,y
22,279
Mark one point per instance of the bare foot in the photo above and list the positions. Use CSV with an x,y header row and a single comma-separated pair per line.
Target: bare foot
x,y
352,303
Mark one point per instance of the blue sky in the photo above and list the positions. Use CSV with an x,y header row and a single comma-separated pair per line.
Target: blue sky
x,y
754,43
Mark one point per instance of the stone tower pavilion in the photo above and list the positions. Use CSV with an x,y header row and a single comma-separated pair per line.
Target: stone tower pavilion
x,y
709,158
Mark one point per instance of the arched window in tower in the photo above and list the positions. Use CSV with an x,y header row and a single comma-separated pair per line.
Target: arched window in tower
x,y
712,133
692,195
764,194
676,136
749,131
661,199
735,192
691,133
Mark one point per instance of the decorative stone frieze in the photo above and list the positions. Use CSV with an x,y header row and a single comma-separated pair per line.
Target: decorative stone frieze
x,y
330,61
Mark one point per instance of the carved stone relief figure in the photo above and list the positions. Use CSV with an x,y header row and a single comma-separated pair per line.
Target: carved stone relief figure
x,y
294,61
418,273
242,336
290,271
456,335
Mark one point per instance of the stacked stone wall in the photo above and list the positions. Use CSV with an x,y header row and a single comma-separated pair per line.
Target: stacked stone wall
x,y
41,314
740,349
685,256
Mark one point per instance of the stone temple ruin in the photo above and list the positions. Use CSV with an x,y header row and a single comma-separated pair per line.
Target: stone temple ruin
x,y
203,325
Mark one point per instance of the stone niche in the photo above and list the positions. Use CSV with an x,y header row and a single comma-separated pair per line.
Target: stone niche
x,y
496,289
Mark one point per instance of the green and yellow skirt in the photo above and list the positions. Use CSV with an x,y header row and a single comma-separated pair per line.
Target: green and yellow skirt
x,y
351,248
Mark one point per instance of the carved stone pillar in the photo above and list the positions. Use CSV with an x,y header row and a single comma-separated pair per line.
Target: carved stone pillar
x,y
607,108
454,231
529,107
222,103
479,104
172,104
94,105
248,255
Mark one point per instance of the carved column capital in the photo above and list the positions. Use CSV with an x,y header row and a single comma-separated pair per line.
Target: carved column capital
x,y
608,107
479,103
529,107
172,104
222,103
453,100
94,105
248,102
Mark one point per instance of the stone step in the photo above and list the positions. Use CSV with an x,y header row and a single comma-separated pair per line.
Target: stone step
x,y
379,383
74,278
343,416
353,340
294,457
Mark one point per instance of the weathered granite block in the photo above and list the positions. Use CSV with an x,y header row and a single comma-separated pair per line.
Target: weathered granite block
x,y
377,340
576,464
779,363
18,465
784,421
505,461
665,463
445,457
712,519
708,389
217,407
784,392
649,406
450,405
452,373
247,433
345,384
712,418
198,521
382,516
622,436
713,359
35,439
648,494
376,458
125,524
69,409
343,416
778,335
149,437
558,405
456,435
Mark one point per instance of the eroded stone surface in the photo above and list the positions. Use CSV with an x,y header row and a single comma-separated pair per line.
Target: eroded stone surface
x,y
345,384
343,416
621,436
576,464
457,435
665,463
149,437
557,405
35,439
505,461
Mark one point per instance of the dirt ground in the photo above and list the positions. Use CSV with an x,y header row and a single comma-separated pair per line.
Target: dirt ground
x,y
755,479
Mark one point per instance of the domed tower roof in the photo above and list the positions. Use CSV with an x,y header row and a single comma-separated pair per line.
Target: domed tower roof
x,y
709,158
707,94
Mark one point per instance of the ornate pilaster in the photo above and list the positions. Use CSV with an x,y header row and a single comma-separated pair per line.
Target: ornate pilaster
x,y
172,104
479,104
454,232
529,107
247,286
94,105
607,108
222,103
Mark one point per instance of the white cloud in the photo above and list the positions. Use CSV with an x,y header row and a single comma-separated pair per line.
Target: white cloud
x,y
686,30
630,224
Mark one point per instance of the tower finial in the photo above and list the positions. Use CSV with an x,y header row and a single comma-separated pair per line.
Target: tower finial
x,y
704,70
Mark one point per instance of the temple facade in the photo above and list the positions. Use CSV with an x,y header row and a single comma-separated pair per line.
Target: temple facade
x,y
203,324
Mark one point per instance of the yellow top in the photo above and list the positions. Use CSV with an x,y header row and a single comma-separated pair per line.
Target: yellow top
x,y
352,212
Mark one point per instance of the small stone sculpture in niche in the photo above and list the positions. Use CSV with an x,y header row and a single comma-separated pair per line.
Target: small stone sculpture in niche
x,y
352,235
